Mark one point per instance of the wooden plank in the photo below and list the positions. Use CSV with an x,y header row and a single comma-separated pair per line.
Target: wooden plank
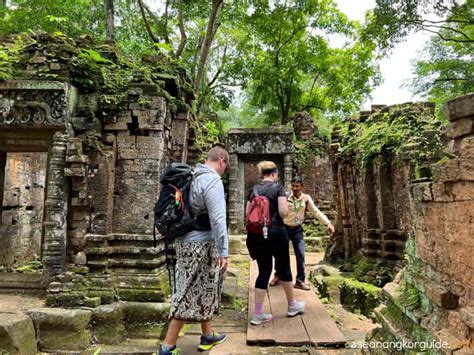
x,y
264,333
321,329
290,331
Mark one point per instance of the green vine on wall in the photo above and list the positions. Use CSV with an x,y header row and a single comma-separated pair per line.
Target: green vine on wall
x,y
10,58
207,133
303,149
393,132
91,68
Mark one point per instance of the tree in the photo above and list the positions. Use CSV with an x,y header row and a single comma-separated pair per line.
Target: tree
x,y
446,67
393,20
72,17
109,10
294,68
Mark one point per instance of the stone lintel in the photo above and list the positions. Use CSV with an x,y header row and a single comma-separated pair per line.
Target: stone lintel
x,y
36,103
274,140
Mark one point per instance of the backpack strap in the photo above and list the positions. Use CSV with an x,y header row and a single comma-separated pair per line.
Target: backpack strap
x,y
255,191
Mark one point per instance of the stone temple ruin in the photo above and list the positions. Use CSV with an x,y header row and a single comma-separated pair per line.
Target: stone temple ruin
x,y
419,222
80,161
79,177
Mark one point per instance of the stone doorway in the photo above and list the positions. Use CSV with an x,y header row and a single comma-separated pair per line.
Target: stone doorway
x,y
246,147
23,176
251,175
33,188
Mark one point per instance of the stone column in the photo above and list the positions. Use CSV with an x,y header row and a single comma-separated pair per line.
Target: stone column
x,y
55,211
288,171
233,222
3,163
179,136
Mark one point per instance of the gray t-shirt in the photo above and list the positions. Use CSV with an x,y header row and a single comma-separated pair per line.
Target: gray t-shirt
x,y
207,194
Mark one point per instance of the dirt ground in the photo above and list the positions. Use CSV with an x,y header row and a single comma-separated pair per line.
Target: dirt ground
x,y
19,302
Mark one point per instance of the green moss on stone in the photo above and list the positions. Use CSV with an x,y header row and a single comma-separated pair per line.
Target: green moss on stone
x,y
359,296
92,302
57,340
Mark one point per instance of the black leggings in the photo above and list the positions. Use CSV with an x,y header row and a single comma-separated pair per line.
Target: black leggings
x,y
263,250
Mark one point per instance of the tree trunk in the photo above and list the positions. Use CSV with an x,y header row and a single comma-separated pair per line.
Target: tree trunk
x,y
184,38
142,6
285,109
109,15
212,26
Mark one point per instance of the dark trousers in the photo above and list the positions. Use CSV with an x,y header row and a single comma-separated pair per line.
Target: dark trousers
x,y
296,237
264,250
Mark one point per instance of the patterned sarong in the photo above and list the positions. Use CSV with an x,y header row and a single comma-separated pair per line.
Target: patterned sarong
x,y
197,290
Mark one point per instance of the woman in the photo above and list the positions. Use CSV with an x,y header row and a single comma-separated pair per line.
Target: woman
x,y
275,245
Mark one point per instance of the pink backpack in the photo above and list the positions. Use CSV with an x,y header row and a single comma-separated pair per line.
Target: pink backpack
x,y
258,219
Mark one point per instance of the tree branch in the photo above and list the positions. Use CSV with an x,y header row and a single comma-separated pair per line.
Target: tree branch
x,y
165,24
184,38
427,26
469,22
210,84
447,39
147,24
210,33
219,70
195,56
453,79
314,83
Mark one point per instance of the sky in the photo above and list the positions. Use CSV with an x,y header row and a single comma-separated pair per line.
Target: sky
x,y
396,69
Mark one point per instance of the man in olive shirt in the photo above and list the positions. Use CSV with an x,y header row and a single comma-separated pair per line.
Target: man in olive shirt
x,y
298,203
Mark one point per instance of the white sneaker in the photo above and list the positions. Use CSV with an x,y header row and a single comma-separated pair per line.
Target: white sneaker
x,y
258,319
298,308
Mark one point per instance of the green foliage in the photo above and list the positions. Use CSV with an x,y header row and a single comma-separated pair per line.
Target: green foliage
x,y
306,148
368,271
207,133
31,266
92,70
10,58
72,17
359,296
410,295
389,132
445,68
292,67
392,20
277,51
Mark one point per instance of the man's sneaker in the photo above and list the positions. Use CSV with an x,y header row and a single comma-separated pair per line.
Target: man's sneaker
x,y
302,286
298,308
173,351
208,341
258,319
275,281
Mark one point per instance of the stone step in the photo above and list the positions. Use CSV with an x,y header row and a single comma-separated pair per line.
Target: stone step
x,y
229,287
136,263
237,244
17,334
15,281
125,249
315,244
112,326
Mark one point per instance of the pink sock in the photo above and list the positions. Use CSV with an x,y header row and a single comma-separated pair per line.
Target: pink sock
x,y
258,308
291,303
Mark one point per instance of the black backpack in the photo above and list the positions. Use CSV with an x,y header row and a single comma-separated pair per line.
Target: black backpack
x,y
172,212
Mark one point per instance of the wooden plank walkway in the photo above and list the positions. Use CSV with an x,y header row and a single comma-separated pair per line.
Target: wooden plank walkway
x,y
314,327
